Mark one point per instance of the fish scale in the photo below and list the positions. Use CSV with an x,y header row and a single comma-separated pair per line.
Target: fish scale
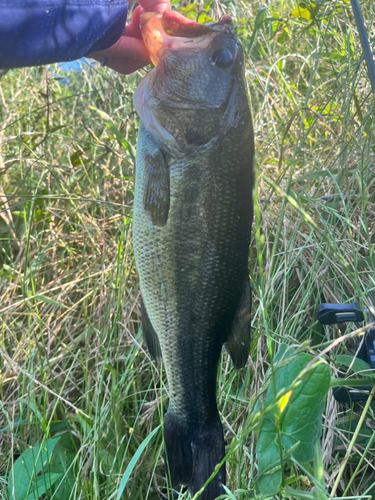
x,y
192,220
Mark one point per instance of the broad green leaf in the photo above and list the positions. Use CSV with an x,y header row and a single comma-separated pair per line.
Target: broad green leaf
x,y
75,158
85,422
204,18
20,214
115,131
358,365
367,262
261,14
42,485
298,415
107,459
270,473
189,8
27,467
337,56
303,11
133,462
64,456
8,272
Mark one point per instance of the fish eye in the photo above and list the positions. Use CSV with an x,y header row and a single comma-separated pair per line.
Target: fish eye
x,y
222,58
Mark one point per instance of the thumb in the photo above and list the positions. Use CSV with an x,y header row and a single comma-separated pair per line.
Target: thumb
x,y
155,5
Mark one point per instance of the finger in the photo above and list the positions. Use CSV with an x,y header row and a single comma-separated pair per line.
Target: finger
x,y
126,47
133,29
132,48
125,66
155,5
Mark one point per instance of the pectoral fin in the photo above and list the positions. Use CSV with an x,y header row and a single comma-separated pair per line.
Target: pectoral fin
x,y
149,335
156,188
238,343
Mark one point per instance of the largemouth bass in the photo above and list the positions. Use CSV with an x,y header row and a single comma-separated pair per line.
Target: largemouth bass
x,y
192,224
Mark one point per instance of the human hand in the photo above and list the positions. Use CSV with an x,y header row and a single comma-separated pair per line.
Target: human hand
x,y
129,53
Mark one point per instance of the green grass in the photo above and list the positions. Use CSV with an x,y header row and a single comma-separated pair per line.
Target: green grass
x,y
72,358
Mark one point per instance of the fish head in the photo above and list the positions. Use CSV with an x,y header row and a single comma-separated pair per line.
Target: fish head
x,y
195,63
199,68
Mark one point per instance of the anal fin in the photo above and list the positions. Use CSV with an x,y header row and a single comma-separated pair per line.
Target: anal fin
x,y
149,335
238,343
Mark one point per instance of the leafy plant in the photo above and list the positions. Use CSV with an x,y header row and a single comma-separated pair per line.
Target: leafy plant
x,y
31,476
294,425
63,462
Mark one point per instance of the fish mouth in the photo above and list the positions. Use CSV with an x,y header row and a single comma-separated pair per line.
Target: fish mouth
x,y
173,31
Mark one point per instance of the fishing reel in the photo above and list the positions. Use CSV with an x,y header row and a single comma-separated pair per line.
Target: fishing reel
x,y
333,314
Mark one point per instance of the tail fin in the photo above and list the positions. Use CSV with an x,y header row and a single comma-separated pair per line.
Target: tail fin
x,y
192,455
208,450
179,457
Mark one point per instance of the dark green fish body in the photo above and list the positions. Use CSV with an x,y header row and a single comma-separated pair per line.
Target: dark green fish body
x,y
192,223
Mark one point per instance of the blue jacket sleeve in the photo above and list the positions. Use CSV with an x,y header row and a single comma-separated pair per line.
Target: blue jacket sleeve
x,y
34,32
